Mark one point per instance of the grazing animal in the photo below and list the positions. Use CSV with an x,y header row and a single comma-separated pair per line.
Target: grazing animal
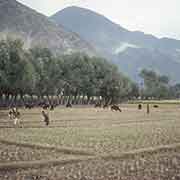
x,y
40,104
46,118
105,106
45,106
155,106
51,107
97,105
116,108
139,106
29,106
69,105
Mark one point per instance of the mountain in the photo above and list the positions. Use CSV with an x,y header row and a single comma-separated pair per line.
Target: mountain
x,y
131,50
17,20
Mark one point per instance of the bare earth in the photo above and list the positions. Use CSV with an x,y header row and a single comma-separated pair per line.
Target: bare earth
x,y
80,140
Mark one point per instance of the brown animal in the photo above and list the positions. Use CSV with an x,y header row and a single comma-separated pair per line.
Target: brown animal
x,y
97,105
155,106
45,106
51,107
46,118
116,108
69,105
29,106
105,106
139,106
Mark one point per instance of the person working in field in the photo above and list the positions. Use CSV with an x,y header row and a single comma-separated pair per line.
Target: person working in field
x,y
10,114
46,117
14,115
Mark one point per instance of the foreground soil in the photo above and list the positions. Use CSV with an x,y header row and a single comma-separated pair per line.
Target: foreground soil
x,y
159,166
107,134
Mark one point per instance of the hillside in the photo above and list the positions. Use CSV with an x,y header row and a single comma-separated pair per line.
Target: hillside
x,y
17,20
123,47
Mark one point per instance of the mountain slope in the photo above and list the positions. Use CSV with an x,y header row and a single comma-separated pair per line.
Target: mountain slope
x,y
34,28
89,25
138,59
116,43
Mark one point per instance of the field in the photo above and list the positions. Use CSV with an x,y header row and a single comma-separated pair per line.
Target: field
x,y
88,143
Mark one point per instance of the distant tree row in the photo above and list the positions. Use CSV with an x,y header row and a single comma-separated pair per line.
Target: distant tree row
x,y
158,86
37,72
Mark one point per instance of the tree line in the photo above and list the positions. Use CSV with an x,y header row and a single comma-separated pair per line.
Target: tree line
x,y
36,73
157,86
39,74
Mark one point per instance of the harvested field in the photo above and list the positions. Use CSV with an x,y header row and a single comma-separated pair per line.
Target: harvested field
x,y
164,166
15,153
81,132
98,130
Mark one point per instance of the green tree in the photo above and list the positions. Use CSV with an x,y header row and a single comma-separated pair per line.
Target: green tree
x,y
156,85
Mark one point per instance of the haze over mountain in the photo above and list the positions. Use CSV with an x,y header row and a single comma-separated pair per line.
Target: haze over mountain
x,y
17,20
132,51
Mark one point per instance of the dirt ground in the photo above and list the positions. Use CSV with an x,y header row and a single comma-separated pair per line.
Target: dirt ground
x,y
82,132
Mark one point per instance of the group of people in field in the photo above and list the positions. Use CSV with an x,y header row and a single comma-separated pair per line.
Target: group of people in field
x,y
15,115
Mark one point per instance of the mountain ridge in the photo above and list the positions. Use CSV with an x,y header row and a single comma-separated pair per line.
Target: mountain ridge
x,y
18,20
112,40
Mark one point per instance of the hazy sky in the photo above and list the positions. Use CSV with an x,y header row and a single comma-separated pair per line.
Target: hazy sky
x,y
157,17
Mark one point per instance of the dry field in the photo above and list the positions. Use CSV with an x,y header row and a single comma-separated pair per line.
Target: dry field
x,y
88,143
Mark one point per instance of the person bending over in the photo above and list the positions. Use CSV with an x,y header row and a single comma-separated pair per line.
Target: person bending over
x,y
46,117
